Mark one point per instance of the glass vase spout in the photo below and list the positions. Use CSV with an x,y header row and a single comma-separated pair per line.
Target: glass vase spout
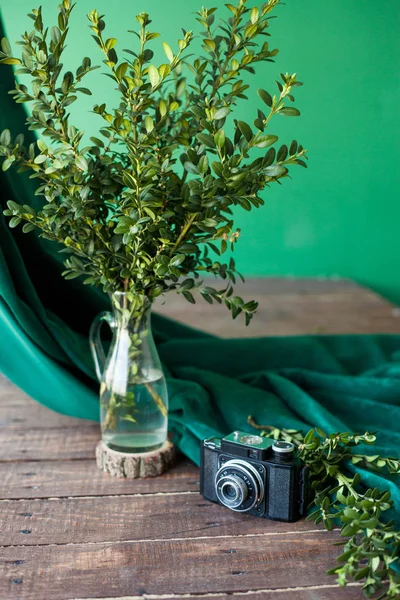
x,y
133,391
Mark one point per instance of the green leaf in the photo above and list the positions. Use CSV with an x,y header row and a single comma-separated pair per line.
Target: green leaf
x,y
153,74
282,153
10,61
129,180
5,46
168,52
81,163
8,162
28,227
84,90
275,171
206,139
13,206
263,141
250,31
55,34
232,8
5,137
265,97
177,260
191,168
375,563
293,148
40,159
254,15
98,142
162,107
210,222
203,165
217,168
41,145
210,45
222,113
148,211
14,222
301,163
69,100
189,297
164,71
289,111
110,43
129,418
219,138
149,124
246,130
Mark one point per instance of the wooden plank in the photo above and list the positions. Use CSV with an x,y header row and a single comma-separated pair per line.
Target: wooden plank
x,y
313,592
74,478
292,307
49,444
164,567
154,516
10,395
32,415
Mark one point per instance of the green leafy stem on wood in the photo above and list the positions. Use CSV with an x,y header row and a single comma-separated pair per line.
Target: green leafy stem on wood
x,y
372,545
149,201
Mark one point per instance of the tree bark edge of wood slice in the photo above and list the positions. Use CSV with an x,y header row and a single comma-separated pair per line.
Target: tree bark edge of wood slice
x,y
135,466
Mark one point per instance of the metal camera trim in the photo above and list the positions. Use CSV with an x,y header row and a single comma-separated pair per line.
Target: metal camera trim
x,y
251,472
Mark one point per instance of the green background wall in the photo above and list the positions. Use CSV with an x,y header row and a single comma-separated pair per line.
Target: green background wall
x,y
341,217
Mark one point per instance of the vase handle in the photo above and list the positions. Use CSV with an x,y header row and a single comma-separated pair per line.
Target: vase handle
x,y
96,346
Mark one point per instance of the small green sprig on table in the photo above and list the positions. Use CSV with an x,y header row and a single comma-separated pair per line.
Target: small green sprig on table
x,y
147,205
372,545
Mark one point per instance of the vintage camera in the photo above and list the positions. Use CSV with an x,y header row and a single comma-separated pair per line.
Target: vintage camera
x,y
253,474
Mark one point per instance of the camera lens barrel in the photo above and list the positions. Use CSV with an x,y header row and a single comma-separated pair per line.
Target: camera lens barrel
x,y
232,490
239,486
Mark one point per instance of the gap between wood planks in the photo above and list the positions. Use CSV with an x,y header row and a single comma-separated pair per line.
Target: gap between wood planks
x,y
61,459
230,594
140,495
173,539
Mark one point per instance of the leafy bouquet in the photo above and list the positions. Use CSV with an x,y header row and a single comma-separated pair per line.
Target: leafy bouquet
x,y
146,207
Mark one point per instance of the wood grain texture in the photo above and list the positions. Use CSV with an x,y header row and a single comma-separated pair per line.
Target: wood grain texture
x,y
49,444
169,515
28,414
292,307
69,531
135,466
75,478
203,566
312,592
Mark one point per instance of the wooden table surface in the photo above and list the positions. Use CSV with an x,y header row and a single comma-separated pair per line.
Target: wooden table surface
x,y
69,531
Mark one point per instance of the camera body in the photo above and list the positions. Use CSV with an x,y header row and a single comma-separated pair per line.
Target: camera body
x,y
253,474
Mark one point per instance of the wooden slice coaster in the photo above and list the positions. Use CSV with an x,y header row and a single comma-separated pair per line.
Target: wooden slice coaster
x,y
134,466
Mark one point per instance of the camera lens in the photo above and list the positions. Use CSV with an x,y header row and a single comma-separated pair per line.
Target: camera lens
x,y
230,491
239,485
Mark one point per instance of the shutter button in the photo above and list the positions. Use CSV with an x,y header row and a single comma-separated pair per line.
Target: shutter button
x,y
283,450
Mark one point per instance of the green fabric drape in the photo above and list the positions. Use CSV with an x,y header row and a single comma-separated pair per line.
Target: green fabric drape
x,y
337,383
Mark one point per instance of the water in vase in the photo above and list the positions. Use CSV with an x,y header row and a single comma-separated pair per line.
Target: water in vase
x,y
136,420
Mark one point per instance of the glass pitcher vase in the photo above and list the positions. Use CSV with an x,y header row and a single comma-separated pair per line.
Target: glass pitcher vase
x,y
133,391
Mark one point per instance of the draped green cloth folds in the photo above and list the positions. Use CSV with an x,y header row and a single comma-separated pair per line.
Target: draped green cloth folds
x,y
338,383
